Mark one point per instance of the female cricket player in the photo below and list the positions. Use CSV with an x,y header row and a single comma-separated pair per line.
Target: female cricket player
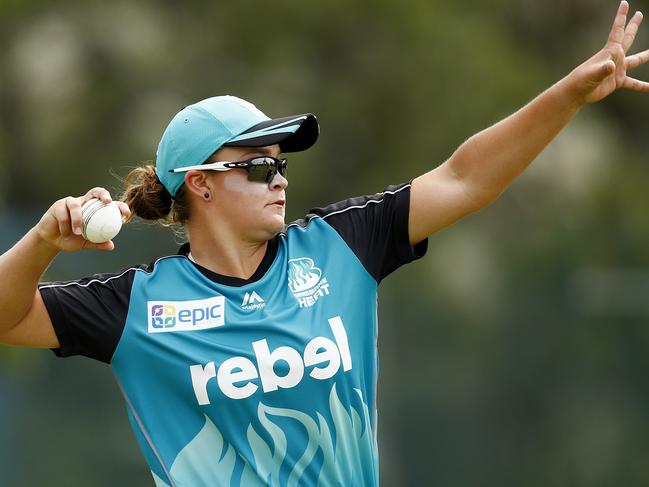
x,y
249,358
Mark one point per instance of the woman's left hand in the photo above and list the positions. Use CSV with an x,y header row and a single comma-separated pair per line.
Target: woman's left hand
x,y
607,70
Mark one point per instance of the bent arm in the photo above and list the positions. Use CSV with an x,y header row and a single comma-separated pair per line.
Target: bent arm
x,y
25,320
487,163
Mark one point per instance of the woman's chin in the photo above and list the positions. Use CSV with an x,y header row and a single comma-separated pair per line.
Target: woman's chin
x,y
274,224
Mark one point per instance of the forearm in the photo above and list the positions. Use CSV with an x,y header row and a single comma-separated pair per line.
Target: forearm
x,y
21,268
490,160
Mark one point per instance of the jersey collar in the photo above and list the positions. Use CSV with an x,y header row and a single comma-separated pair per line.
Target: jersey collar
x,y
264,265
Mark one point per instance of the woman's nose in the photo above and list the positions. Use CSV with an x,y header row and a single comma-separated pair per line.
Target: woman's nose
x,y
278,182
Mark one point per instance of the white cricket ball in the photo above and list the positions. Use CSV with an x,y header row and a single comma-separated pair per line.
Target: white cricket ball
x,y
101,222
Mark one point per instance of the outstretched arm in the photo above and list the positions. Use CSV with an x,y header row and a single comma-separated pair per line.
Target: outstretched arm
x,y
486,164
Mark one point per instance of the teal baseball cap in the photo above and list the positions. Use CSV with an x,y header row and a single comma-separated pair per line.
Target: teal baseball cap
x,y
200,129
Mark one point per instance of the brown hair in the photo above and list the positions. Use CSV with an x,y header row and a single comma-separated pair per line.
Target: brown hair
x,y
148,198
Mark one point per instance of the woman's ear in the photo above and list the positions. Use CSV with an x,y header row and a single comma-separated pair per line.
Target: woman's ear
x,y
198,184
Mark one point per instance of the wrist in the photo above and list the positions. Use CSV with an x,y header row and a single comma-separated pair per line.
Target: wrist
x,y
41,245
568,90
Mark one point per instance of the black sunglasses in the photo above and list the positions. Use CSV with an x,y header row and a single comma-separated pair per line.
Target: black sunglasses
x,y
260,169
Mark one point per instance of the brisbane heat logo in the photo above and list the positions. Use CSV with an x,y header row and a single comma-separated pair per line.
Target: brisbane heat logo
x,y
201,314
306,282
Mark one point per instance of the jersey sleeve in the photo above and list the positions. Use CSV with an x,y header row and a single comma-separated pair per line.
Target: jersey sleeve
x,y
376,229
89,314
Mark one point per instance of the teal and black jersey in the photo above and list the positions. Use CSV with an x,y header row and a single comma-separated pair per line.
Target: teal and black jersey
x,y
265,381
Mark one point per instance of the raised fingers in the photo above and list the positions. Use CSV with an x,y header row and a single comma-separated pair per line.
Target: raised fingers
x,y
631,31
637,59
635,84
616,35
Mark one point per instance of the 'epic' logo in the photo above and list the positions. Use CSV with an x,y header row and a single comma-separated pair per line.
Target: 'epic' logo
x,y
200,314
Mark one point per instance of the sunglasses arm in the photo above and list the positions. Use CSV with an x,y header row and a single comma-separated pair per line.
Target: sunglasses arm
x,y
214,166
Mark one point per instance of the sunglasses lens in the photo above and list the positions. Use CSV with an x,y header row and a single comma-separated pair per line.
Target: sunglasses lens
x,y
263,169
260,174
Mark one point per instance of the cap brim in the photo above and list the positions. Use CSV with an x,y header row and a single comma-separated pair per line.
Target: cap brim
x,y
293,134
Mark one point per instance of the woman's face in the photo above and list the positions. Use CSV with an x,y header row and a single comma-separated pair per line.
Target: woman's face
x,y
254,209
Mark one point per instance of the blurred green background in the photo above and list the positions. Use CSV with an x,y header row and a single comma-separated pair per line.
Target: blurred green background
x,y
514,354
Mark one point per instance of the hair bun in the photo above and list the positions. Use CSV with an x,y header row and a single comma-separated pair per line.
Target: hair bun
x,y
145,195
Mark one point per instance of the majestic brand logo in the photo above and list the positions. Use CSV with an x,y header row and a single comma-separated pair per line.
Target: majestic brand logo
x,y
239,377
201,314
306,282
252,301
